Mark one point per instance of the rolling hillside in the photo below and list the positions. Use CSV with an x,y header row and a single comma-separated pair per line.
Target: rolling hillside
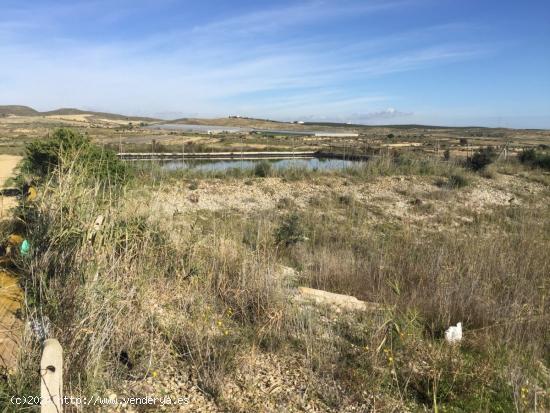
x,y
18,110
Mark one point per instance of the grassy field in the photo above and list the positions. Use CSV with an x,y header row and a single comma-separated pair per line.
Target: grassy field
x,y
190,286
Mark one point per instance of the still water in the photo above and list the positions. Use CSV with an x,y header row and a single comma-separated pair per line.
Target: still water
x,y
224,165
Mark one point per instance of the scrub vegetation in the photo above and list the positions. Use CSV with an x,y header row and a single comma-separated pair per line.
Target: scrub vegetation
x,y
150,289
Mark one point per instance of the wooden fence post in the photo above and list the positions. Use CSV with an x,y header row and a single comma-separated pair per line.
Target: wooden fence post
x,y
51,381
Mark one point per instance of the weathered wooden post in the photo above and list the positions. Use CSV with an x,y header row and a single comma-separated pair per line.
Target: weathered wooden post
x,y
182,149
51,377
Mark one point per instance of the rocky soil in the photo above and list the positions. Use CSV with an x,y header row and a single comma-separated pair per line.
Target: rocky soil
x,y
414,200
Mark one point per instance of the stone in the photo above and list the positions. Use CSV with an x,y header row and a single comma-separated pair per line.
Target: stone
x,y
338,301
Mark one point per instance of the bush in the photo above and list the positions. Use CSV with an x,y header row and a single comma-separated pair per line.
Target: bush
x,y
457,181
481,158
262,169
44,156
544,162
290,232
535,159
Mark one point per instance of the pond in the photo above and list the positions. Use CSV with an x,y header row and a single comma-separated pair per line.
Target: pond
x,y
225,165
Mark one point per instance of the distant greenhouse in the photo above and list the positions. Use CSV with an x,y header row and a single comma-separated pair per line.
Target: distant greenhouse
x,y
211,129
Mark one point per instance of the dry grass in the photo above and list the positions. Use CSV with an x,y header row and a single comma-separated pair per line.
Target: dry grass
x,y
486,274
198,289
94,291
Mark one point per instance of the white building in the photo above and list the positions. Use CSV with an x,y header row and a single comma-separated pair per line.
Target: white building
x,y
336,134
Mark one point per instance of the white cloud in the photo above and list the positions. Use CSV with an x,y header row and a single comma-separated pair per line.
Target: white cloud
x,y
280,17
203,72
389,113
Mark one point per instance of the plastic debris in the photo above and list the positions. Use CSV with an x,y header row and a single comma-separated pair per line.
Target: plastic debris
x,y
40,327
96,227
15,239
32,193
453,335
25,247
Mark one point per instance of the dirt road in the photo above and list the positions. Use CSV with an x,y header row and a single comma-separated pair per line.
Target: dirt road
x,y
11,294
7,166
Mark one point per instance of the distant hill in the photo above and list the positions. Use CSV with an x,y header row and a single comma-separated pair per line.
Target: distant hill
x,y
268,124
28,111
17,110
243,122
73,111
229,121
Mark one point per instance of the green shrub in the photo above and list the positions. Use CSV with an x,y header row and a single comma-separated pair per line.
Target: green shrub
x,y
262,169
457,181
481,158
290,231
43,156
535,158
543,161
528,156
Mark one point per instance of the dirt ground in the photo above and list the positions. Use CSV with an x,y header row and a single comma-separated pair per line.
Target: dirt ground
x,y
415,200
7,165
10,291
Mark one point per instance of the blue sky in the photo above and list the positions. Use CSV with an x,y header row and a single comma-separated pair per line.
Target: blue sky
x,y
450,62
